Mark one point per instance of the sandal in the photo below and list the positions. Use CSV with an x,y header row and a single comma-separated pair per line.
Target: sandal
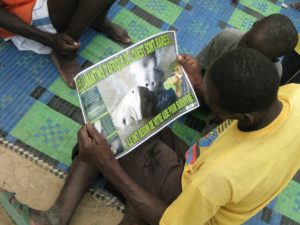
x,y
18,212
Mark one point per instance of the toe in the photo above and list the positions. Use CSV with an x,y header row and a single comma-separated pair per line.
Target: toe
x,y
71,84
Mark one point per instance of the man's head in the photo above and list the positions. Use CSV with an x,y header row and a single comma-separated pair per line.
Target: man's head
x,y
242,81
273,36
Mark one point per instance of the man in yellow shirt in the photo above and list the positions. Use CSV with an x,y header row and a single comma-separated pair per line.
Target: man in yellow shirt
x,y
228,176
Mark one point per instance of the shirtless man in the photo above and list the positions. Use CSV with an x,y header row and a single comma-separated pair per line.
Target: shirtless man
x,y
66,21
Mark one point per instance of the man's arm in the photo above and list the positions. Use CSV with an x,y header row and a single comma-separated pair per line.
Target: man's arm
x,y
61,43
95,150
15,25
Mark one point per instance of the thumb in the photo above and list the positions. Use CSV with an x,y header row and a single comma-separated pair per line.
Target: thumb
x,y
93,133
69,40
179,58
182,58
83,136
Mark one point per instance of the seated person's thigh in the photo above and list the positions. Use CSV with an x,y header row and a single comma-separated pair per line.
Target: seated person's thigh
x,y
154,165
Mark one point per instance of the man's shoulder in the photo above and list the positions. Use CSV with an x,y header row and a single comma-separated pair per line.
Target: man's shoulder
x,y
291,93
230,34
290,90
227,39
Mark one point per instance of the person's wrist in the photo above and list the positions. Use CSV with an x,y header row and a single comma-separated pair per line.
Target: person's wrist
x,y
49,40
198,89
106,163
199,92
109,169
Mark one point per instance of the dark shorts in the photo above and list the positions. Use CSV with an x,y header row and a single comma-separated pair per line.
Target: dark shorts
x,y
156,165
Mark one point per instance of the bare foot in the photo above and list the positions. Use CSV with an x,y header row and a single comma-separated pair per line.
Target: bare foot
x,y
36,218
43,217
68,69
131,217
113,30
22,214
296,6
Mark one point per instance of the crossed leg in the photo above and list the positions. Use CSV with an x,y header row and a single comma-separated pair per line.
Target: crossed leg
x,y
72,17
79,180
155,166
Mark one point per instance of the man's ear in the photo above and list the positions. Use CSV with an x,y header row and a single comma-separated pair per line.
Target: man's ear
x,y
244,117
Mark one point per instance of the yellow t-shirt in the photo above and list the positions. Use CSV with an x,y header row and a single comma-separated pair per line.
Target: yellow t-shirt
x,y
297,49
238,173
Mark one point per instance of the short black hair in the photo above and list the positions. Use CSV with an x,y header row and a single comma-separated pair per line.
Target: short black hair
x,y
246,81
278,30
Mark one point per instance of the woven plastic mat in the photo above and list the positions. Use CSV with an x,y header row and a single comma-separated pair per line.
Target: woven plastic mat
x,y
40,115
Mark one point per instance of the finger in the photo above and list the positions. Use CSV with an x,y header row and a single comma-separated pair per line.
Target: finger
x,y
184,55
69,48
83,135
181,57
182,61
69,40
127,39
184,58
97,136
94,134
188,57
191,62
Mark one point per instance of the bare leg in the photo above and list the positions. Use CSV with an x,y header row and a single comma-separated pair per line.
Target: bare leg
x,y
154,166
116,32
67,68
72,17
80,178
131,217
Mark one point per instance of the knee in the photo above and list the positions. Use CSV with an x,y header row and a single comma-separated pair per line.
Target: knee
x,y
90,5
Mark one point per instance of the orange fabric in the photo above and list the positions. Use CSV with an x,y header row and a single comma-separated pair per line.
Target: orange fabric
x,y
21,8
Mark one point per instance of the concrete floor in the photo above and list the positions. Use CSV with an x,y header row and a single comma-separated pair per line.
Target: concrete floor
x,y
38,188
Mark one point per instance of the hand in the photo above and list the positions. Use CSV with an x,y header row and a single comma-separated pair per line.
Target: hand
x,y
193,71
64,46
93,148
